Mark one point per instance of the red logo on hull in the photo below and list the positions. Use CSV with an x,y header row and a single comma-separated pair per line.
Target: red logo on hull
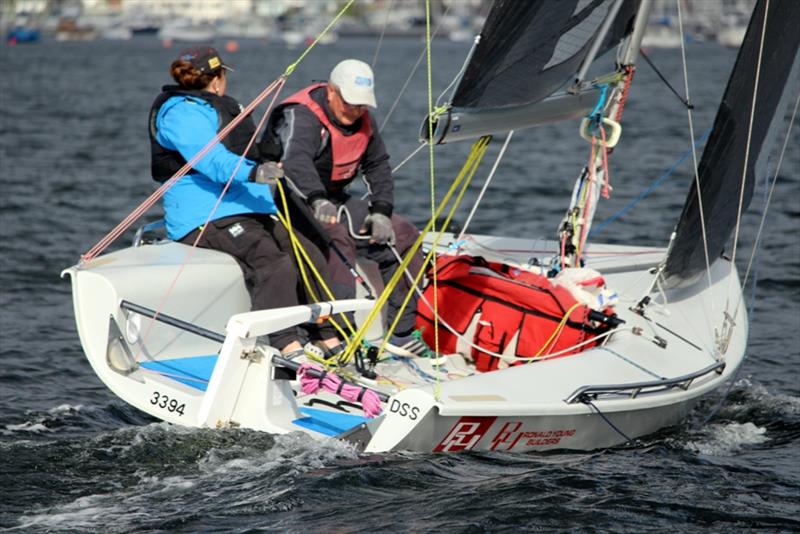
x,y
465,434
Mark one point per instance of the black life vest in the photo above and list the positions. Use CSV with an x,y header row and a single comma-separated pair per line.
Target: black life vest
x,y
164,163
511,302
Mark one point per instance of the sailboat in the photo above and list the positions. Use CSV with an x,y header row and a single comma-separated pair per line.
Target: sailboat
x,y
607,371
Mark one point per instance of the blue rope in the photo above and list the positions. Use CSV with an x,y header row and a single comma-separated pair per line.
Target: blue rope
x,y
601,102
597,228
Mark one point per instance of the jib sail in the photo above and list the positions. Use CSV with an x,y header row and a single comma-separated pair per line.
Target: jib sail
x,y
722,165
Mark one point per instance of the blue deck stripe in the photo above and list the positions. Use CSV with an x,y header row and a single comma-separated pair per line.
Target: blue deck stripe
x,y
328,423
194,371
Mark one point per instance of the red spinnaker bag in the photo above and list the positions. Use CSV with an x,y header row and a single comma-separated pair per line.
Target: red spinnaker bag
x,y
510,302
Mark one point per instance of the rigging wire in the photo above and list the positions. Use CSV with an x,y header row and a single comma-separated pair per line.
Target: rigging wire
x,y
694,155
434,277
753,258
411,74
652,187
485,186
383,31
749,135
684,101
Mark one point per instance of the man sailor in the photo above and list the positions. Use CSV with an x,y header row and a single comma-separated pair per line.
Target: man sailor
x,y
328,134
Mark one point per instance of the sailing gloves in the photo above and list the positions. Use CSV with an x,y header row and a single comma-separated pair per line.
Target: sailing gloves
x,y
380,229
267,173
324,211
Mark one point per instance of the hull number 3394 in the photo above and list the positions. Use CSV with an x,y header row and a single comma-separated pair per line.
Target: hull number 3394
x,y
163,401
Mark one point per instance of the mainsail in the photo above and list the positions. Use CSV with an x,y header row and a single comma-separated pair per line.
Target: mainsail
x,y
721,167
528,50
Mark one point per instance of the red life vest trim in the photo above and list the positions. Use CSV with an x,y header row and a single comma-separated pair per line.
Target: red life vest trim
x,y
346,150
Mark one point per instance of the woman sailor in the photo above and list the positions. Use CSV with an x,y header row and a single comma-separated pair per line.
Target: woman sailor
x,y
184,118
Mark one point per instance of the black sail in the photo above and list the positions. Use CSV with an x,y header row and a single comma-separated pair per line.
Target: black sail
x,y
721,167
531,48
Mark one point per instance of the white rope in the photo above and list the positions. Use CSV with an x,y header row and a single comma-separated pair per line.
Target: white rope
x,y
694,158
460,73
757,241
728,322
411,75
414,153
383,32
512,358
485,186
749,135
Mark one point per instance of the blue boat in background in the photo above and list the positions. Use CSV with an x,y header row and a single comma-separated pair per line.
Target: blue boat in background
x,y
23,34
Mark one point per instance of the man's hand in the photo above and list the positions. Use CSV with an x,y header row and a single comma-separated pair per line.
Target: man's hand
x,y
267,173
324,211
379,226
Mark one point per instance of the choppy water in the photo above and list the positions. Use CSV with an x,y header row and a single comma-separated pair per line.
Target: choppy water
x,y
74,458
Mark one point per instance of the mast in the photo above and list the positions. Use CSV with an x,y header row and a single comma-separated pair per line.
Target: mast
x,y
586,193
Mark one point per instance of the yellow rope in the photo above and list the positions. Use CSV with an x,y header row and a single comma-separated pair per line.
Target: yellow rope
x,y
290,69
469,168
399,272
433,191
557,330
300,253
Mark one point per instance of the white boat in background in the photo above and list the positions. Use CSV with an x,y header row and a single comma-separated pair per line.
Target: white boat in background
x,y
731,36
186,349
186,31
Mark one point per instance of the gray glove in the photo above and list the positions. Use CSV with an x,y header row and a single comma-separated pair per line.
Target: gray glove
x,y
324,211
379,226
267,173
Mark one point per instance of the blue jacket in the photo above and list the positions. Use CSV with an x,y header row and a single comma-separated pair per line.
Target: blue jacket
x,y
186,124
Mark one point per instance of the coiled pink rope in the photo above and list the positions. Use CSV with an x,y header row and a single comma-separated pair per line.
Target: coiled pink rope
x,y
331,382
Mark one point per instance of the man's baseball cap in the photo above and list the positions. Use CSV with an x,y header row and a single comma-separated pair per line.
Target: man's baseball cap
x,y
203,58
355,82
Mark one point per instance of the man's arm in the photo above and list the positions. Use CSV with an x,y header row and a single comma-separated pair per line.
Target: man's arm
x,y
299,132
378,174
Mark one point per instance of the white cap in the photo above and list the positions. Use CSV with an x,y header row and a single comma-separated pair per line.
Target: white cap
x,y
355,82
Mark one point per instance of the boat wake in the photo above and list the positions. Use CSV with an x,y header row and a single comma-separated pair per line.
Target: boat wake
x,y
134,470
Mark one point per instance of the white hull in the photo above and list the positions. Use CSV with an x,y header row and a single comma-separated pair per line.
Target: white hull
x,y
190,380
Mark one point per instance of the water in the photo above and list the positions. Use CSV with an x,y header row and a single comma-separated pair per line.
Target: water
x,y
74,458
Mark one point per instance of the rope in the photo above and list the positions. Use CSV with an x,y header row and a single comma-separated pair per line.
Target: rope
x,y
411,75
485,185
383,32
684,101
300,252
749,136
473,163
290,69
606,419
656,183
381,301
629,70
433,180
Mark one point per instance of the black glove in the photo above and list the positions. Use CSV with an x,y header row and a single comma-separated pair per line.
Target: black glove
x,y
267,173
324,211
379,226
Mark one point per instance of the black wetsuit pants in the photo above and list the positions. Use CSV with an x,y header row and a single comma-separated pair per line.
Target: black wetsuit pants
x,y
261,247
